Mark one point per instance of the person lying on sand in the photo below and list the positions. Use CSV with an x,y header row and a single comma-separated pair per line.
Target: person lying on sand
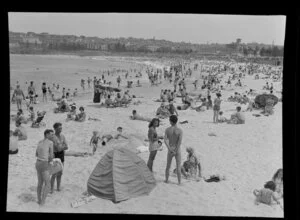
x,y
267,195
106,138
94,119
77,154
136,116
238,117
81,116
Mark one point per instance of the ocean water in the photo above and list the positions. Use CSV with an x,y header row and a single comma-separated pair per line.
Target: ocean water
x,y
63,69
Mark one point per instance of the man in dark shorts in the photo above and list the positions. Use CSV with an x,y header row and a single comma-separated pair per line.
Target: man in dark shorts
x,y
173,138
59,147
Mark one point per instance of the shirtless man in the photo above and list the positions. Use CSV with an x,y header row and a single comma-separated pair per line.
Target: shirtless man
x,y
44,154
19,96
173,138
59,147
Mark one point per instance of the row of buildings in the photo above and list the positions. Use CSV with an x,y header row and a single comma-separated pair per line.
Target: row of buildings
x,y
52,41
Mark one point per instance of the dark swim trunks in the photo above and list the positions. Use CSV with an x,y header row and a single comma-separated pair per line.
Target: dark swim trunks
x,y
60,155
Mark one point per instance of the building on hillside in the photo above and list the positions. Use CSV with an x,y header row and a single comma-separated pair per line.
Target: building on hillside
x,y
152,48
31,40
104,47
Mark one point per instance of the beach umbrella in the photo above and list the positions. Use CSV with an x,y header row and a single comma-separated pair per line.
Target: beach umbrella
x,y
261,100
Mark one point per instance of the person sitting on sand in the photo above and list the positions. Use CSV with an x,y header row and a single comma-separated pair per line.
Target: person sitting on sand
x,y
118,100
106,138
278,180
55,99
250,105
20,117
13,142
269,107
172,108
162,111
72,114
136,116
109,102
75,92
63,105
38,122
80,117
238,117
31,114
191,165
267,195
94,140
221,118
20,131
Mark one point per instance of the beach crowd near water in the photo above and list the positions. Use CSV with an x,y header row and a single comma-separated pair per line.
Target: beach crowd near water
x,y
230,95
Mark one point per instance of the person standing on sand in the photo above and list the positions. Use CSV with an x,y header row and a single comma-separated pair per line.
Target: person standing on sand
x,y
44,90
44,154
173,139
216,108
59,147
153,142
119,81
89,82
18,95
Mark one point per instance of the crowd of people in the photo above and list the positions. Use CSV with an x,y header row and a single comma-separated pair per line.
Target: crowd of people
x,y
54,144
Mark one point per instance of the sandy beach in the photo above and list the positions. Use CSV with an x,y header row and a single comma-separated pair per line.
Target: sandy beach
x,y
247,154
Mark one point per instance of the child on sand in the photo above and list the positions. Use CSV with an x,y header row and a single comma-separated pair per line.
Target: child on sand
x,y
31,114
267,195
94,140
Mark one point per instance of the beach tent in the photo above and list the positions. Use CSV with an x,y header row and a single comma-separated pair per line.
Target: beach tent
x,y
261,100
120,175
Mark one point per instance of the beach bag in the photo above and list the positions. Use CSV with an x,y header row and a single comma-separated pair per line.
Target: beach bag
x,y
56,166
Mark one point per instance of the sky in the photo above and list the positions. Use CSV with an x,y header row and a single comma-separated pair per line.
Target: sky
x,y
193,28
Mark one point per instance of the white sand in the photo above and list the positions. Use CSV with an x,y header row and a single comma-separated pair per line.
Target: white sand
x,y
248,155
